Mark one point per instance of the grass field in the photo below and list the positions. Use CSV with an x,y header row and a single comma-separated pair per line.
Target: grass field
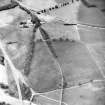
x,y
74,58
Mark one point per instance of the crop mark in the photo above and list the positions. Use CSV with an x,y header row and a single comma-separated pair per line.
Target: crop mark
x,y
91,51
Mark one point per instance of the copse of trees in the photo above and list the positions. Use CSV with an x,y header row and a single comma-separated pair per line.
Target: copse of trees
x,y
54,7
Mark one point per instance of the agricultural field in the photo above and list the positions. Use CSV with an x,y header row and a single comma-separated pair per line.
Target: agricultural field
x,y
67,69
